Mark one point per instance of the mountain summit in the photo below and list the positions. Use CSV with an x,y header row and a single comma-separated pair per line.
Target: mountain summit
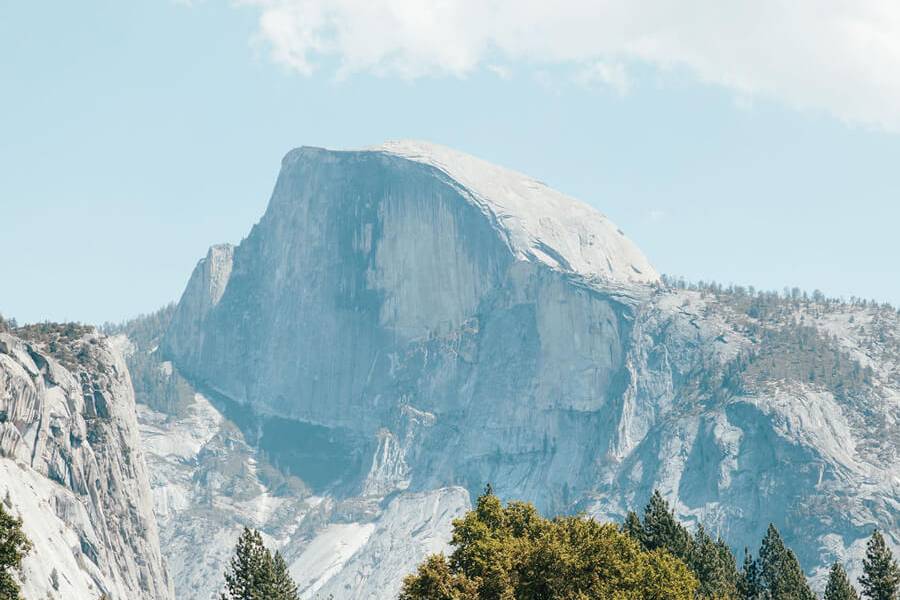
x,y
537,222
407,323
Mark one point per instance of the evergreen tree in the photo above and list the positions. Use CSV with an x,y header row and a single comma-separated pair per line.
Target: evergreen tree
x,y
710,560
282,586
254,574
14,545
748,585
881,576
246,576
839,587
713,564
780,573
633,528
662,530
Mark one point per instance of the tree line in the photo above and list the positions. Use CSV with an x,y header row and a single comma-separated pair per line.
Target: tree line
x,y
511,552
770,298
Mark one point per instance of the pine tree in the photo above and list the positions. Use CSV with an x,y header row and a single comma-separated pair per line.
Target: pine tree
x,y
713,564
881,576
245,577
839,587
748,585
14,545
632,527
282,586
254,574
662,530
780,572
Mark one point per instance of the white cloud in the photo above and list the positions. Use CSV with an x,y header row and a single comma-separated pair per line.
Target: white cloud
x,y
612,75
837,56
501,71
657,214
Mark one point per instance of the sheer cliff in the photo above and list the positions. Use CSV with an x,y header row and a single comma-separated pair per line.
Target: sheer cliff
x,y
72,467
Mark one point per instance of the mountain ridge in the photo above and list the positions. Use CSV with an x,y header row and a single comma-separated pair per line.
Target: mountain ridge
x,y
392,335
375,296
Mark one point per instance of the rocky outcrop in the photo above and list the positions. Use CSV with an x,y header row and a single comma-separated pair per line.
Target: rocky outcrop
x,y
406,319
728,416
205,288
209,482
71,466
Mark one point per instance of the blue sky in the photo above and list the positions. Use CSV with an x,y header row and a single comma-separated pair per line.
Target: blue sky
x,y
134,135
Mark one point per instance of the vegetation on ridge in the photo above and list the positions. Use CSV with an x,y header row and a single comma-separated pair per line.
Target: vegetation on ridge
x,y
157,383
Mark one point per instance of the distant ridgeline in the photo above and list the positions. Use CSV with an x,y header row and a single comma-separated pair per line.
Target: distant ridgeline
x,y
156,383
790,345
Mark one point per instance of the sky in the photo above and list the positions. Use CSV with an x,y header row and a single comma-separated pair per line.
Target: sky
x,y
756,146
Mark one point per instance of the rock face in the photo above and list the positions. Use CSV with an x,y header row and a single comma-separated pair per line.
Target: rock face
x,y
204,291
406,319
209,483
71,465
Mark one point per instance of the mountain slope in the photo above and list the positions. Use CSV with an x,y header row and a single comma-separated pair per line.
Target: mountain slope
x,y
72,467
406,319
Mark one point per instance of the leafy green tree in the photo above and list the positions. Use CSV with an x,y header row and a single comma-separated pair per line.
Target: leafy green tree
x,y
663,577
582,558
14,545
748,584
780,572
512,553
254,574
435,581
881,576
839,587
491,541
